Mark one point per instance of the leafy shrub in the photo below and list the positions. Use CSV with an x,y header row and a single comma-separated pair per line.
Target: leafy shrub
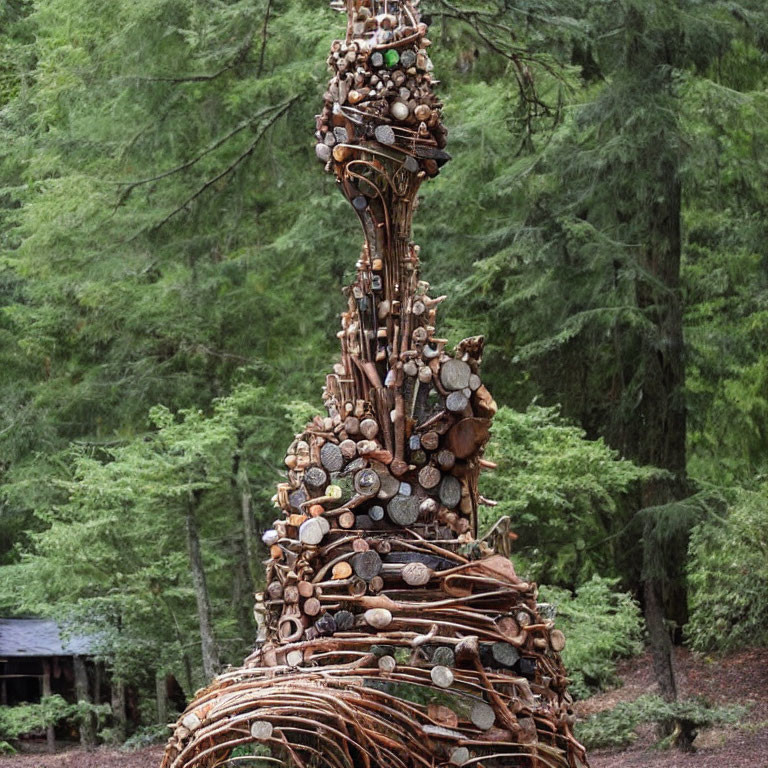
x,y
728,577
35,717
30,718
617,727
601,625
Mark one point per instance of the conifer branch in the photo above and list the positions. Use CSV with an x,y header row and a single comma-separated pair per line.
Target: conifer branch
x,y
282,109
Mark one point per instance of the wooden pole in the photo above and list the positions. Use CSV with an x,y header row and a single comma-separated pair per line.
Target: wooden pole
x,y
50,734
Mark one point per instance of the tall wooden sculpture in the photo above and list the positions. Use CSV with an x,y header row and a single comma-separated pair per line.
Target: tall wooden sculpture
x,y
389,637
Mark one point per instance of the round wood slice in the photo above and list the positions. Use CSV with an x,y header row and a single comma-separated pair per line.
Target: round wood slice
x,y
430,440
508,626
312,606
454,374
357,587
459,756
505,654
443,656
270,537
261,730
376,513
456,402
429,476
369,428
297,498
442,714
441,676
387,664
342,570
376,584
294,658
450,491
306,588
482,715
416,574
366,565
378,618
347,519
474,382
191,721
291,594
404,510
311,531
367,482
315,477
389,486
352,425
446,459
331,457
344,620
557,640
360,545
383,133
523,618
348,449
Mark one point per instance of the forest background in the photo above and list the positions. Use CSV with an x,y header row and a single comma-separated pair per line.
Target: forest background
x,y
171,260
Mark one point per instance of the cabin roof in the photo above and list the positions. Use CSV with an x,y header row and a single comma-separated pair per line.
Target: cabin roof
x,y
40,637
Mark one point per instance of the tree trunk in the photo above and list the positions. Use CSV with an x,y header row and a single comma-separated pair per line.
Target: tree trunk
x,y
118,711
161,697
50,735
660,642
87,731
210,651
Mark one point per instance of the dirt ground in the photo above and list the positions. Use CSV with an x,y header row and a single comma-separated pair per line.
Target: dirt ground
x,y
738,679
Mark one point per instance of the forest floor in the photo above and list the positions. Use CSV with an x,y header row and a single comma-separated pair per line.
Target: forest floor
x,y
741,678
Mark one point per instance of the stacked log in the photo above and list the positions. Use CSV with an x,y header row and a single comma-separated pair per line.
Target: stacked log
x,y
388,634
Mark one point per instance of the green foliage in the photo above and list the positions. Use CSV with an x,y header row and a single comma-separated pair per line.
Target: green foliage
x,y
601,625
565,494
616,727
24,719
728,577
111,556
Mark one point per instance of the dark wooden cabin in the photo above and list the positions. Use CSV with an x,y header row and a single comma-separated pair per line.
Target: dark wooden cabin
x,y
36,660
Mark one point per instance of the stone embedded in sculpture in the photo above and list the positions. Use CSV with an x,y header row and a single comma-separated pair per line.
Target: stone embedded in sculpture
x,y
388,635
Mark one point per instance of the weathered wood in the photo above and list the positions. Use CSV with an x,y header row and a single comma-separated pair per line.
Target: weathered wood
x,y
331,457
450,491
454,374
403,510
429,477
366,565
482,715
416,574
467,436
441,676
